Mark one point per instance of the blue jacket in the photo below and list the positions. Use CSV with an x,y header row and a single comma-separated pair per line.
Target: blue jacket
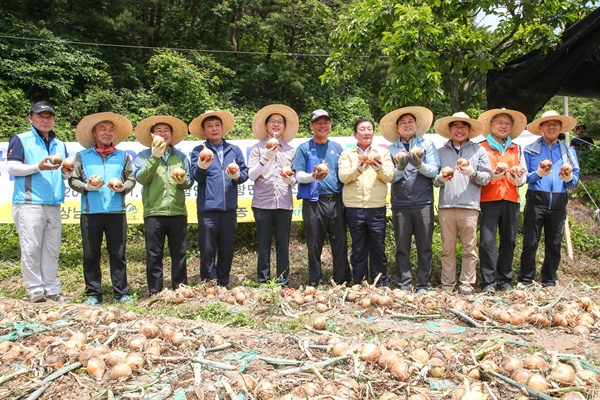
x,y
216,191
549,190
44,187
103,200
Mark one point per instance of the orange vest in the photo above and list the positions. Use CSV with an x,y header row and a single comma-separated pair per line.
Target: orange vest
x,y
501,189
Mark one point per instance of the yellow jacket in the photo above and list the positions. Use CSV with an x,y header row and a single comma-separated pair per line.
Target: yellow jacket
x,y
367,189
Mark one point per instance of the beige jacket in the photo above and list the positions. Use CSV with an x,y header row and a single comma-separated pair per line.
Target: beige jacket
x,y
369,188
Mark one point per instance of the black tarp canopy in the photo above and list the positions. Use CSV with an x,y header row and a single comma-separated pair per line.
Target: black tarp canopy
x,y
573,69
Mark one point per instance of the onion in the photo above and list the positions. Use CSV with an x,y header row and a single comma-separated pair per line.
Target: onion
x,y
436,367
138,342
519,294
477,314
572,396
53,316
177,338
230,299
217,340
396,342
119,371
149,330
308,298
96,367
340,348
563,374
210,290
460,304
585,302
177,298
420,355
351,296
510,363
369,352
101,350
473,372
129,316
365,303
533,361
310,290
153,350
400,371
135,361
265,390
489,364
583,319
44,342
310,389
374,298
240,298
322,307
517,319
504,316
85,356
385,301
167,331
387,359
521,375
559,319
245,381
582,329
588,377
319,323
115,357
538,382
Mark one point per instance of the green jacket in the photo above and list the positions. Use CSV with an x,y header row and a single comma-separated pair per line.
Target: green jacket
x,y
161,196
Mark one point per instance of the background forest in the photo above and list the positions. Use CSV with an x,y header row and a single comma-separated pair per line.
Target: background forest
x,y
183,57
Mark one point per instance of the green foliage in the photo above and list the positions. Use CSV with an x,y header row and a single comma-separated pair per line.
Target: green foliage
x,y
219,313
582,240
589,162
589,192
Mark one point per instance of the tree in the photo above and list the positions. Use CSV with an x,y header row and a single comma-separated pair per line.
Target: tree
x,y
434,50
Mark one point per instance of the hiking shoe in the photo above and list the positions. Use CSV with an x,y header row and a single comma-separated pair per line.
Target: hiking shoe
x,y
489,289
504,286
421,291
126,299
37,297
92,301
59,297
464,292
524,285
548,284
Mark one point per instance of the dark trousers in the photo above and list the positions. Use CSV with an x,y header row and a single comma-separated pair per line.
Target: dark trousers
x,y
268,221
535,219
216,235
495,262
156,230
367,229
326,216
418,222
93,228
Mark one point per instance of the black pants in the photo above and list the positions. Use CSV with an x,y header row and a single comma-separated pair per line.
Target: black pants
x,y
216,235
93,228
418,222
496,262
268,221
326,217
156,230
552,221
367,229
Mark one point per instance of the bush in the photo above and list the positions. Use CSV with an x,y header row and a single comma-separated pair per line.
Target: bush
x,y
589,161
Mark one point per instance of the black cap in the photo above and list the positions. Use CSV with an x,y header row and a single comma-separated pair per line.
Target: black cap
x,y
40,107
318,114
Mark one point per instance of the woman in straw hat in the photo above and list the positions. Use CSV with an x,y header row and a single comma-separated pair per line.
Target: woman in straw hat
x,y
552,169
500,207
165,174
218,167
103,175
272,203
417,163
458,207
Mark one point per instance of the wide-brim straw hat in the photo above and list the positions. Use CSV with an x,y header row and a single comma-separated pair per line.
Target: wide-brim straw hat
x,y
226,119
83,131
259,123
389,128
144,136
442,125
568,123
519,124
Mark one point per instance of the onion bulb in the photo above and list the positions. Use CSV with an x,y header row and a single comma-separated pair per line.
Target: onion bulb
x,y
321,307
245,381
265,390
538,382
572,396
436,367
351,296
119,371
135,361
563,374
533,361
510,363
521,375
137,342
582,329
340,348
400,371
96,367
115,357
387,359
149,330
319,323
420,355
369,352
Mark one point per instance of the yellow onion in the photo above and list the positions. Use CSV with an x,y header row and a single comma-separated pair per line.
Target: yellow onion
x,y
386,301
119,371
177,298
245,381
374,298
115,357
572,396
559,319
135,361
436,367
319,323
340,348
310,389
396,342
472,372
217,340
533,361
585,319
265,390
510,363
310,290
400,371
154,350
365,302
129,316
538,382
96,367
44,342
85,356
177,338
582,329
149,330
321,307
101,350
504,316
588,377
420,355
166,332
521,375
137,342
351,296
563,374
369,352
387,359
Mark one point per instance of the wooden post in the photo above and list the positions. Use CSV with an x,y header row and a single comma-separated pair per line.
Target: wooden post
x,y
567,228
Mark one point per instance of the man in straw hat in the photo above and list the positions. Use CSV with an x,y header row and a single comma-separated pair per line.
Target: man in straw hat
x,y
552,169
500,207
39,191
165,174
417,163
458,208
365,171
316,168
219,167
272,203
103,175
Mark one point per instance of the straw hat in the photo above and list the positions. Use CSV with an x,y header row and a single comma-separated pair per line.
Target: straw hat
x,y
144,136
83,131
292,123
226,118
442,125
519,124
389,128
568,123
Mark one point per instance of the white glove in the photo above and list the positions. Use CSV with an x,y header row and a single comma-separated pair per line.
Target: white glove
x,y
377,165
270,153
159,151
444,178
362,167
564,177
467,171
233,176
91,188
204,164
543,171
288,180
117,189
498,176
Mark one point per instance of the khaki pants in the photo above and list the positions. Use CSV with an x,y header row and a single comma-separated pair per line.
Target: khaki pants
x,y
455,222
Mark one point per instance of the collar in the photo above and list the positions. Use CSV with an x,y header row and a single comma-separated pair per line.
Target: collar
x,y
494,144
103,151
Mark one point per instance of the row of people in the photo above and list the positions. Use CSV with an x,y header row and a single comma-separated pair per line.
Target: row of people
x,y
338,189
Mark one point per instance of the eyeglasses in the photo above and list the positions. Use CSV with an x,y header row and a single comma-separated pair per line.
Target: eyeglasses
x,y
159,131
409,122
276,121
499,123
551,124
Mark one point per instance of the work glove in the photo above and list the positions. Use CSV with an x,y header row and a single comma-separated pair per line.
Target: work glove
x,y
362,166
117,189
270,153
179,179
234,175
402,162
444,178
159,148
91,188
414,160
565,177
543,171
288,180
467,171
499,175
204,164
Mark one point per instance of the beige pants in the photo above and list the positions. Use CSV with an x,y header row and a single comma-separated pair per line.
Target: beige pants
x,y
455,222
